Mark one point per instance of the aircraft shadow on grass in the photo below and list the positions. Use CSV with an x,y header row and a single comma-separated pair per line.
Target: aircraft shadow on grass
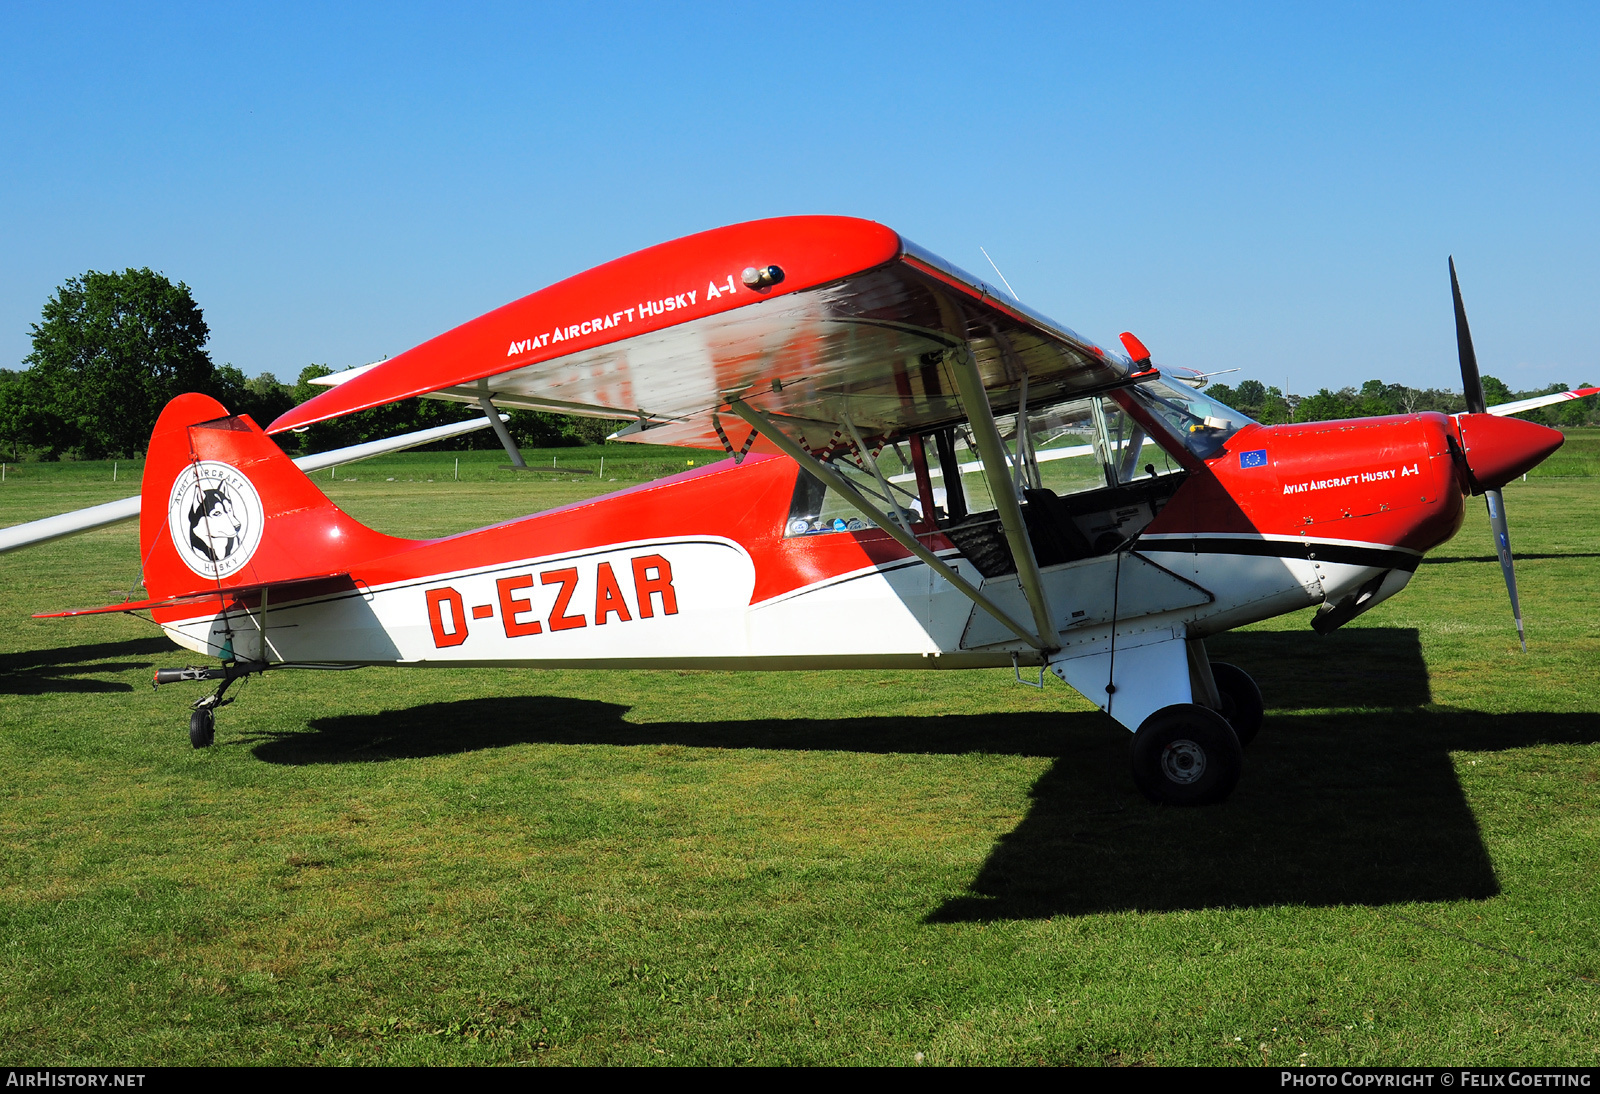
x,y
1436,560
1360,805
70,668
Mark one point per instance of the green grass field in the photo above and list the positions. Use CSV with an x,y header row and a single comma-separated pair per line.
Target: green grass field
x,y
435,866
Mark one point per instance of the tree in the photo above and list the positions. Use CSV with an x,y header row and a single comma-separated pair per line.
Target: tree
x,y
1496,392
18,417
1265,404
263,398
1577,411
109,351
1251,394
1276,408
1326,405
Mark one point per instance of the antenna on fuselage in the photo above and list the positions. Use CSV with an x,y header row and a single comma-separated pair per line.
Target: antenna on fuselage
x,y
1002,277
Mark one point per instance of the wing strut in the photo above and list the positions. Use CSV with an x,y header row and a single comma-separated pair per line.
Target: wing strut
x,y
902,536
1024,457
502,432
986,435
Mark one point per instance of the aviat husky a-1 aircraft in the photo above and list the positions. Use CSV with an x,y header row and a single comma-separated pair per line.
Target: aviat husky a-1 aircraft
x,y
920,474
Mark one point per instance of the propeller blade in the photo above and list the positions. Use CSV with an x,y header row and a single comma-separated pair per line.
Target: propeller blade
x,y
1471,384
1472,387
1502,546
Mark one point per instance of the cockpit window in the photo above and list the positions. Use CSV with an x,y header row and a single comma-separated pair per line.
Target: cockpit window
x,y
1085,445
1066,449
1202,425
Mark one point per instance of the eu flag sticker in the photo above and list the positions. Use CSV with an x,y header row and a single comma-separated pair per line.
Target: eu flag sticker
x,y
1258,458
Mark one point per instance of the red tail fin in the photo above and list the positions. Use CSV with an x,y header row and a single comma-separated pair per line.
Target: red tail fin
x,y
223,507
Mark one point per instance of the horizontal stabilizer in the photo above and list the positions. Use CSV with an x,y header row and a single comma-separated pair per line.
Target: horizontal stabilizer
x,y
243,595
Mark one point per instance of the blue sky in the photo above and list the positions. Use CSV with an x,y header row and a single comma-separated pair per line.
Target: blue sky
x,y
1273,188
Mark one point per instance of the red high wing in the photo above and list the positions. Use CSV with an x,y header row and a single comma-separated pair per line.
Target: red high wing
x,y
658,287
853,320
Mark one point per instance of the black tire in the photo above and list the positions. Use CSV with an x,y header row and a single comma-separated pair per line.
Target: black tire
x,y
202,728
1186,754
1241,701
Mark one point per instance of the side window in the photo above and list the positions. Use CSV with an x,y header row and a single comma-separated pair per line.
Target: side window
x,y
1068,450
815,509
1134,455
1077,447
1089,444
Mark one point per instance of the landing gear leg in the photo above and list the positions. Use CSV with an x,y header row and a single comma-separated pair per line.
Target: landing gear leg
x,y
1226,689
203,719
203,722
1241,701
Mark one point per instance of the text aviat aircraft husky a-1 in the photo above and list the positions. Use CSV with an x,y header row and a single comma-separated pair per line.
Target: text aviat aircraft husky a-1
x,y
920,474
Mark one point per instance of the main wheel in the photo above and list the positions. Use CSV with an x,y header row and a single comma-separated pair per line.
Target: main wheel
x,y
1186,754
202,727
1241,701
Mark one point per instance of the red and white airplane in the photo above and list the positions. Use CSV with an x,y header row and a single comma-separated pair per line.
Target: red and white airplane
x,y
920,474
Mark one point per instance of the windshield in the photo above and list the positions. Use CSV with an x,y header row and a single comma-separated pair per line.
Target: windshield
x,y
1202,424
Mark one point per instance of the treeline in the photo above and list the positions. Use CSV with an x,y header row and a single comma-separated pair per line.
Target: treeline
x,y
51,421
1270,405
111,349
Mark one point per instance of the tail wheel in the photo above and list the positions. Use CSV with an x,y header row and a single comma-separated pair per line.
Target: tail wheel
x,y
1186,754
1241,701
202,727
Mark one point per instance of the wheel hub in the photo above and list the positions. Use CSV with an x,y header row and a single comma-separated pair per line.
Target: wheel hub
x,y
1183,761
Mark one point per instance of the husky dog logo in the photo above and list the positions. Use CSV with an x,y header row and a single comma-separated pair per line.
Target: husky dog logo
x,y
215,517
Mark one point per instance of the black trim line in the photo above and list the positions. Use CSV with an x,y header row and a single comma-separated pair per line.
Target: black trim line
x,y
1311,550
